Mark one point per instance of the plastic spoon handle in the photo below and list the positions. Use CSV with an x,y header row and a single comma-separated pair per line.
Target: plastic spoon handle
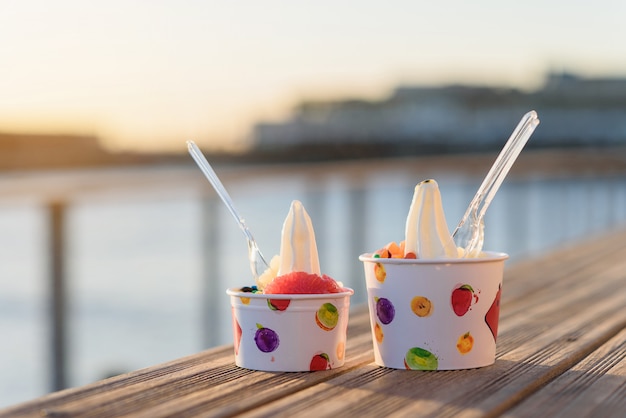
x,y
223,194
494,178
505,160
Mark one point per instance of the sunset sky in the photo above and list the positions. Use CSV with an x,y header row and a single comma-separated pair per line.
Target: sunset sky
x,y
152,74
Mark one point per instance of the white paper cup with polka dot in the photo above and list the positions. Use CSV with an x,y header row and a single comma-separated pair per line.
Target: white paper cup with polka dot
x,y
290,333
438,314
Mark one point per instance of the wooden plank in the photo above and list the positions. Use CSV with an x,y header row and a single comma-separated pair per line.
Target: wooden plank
x,y
561,314
530,277
595,387
205,381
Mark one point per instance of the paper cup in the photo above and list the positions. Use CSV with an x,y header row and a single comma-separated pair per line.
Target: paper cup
x,y
434,314
290,333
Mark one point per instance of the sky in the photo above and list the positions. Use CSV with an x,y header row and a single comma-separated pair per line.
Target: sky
x,y
151,74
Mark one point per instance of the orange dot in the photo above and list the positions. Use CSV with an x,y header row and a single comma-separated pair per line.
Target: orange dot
x,y
379,272
378,333
341,349
465,343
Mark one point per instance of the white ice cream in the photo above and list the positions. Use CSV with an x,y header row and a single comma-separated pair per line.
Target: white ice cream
x,y
427,234
298,249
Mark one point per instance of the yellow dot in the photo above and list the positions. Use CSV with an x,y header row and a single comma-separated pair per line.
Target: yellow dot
x,y
421,306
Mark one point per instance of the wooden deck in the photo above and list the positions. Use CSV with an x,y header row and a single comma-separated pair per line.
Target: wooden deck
x,y
561,352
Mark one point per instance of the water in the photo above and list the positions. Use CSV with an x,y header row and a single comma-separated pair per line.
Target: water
x,y
146,282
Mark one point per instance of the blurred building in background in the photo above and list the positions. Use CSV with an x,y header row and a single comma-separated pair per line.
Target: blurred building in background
x,y
413,120
574,111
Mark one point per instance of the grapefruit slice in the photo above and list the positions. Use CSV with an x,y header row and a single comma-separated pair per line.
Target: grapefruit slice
x,y
300,282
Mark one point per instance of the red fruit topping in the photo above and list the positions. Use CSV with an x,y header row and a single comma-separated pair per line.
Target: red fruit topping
x,y
299,282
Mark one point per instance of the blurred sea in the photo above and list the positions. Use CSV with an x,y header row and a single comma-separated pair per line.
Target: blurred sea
x,y
147,286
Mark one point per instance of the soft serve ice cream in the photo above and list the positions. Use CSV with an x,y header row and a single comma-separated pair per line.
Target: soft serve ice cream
x,y
295,318
426,232
298,270
431,307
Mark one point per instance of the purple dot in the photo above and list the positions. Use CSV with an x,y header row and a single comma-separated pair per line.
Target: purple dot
x,y
385,310
266,339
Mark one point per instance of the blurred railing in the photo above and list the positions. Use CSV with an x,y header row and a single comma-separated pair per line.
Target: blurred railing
x,y
356,207
56,192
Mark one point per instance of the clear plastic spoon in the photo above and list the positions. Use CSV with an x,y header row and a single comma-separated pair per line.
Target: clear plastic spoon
x,y
469,234
257,262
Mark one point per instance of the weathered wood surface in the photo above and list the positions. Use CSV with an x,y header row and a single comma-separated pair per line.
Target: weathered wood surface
x,y
561,352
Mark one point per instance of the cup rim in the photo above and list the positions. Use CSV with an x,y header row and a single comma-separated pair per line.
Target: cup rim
x,y
235,291
489,256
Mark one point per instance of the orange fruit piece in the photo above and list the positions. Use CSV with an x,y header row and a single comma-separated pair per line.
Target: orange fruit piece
x,y
383,253
395,250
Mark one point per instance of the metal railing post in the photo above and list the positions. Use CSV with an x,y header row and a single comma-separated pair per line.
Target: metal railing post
x,y
57,295
211,291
